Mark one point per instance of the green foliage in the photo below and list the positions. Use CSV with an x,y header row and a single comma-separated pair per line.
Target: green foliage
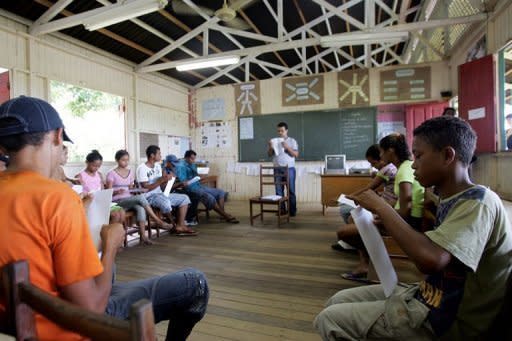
x,y
80,100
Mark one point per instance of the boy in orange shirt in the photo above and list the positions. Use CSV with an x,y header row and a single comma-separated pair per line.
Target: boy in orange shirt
x,y
47,226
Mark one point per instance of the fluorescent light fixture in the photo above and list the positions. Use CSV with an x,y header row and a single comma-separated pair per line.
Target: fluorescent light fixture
x,y
122,11
207,62
357,38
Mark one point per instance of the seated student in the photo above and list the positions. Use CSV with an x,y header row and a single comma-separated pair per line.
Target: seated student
x,y
122,179
149,175
92,180
385,176
212,198
169,166
4,162
47,226
409,193
60,175
467,257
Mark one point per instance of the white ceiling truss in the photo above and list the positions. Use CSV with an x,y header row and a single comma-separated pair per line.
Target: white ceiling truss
x,y
434,19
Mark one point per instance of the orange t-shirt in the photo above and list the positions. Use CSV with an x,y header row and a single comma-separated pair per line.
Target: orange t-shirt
x,y
43,221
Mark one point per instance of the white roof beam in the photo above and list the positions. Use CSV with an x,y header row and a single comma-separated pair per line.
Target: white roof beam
x,y
179,42
250,35
49,14
276,18
223,72
288,45
329,31
321,18
78,19
340,13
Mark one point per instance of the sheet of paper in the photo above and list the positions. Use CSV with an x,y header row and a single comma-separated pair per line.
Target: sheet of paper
x,y
203,170
194,180
343,200
168,187
477,113
98,214
277,145
271,197
78,189
376,249
246,128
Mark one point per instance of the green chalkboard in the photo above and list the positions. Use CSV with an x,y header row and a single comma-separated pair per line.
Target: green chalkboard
x,y
318,133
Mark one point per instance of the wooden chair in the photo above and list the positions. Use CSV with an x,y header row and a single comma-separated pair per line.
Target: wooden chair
x,y
23,299
269,176
128,225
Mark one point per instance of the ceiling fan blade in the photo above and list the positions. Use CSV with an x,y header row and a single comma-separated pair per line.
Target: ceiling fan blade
x,y
240,4
181,8
238,24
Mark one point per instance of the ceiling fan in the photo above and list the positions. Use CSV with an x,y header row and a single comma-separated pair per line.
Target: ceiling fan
x,y
227,13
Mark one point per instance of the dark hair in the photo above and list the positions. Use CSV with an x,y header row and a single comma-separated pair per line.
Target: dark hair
x,y
399,144
15,143
448,131
449,111
189,153
94,155
152,149
508,116
120,154
373,152
282,124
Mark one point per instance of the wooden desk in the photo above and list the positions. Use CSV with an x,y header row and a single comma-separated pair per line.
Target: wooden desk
x,y
335,184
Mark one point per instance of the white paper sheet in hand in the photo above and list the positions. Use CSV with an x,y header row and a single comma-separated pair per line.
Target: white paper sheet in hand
x,y
98,214
277,145
194,180
346,201
376,249
169,185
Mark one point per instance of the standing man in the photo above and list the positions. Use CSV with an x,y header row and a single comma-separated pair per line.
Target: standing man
x,y
286,157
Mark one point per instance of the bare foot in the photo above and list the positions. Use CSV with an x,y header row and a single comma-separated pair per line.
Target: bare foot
x,y
146,241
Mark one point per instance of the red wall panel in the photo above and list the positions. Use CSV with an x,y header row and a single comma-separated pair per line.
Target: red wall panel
x,y
477,90
416,114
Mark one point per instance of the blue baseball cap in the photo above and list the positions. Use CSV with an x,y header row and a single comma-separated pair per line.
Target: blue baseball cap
x,y
30,115
172,159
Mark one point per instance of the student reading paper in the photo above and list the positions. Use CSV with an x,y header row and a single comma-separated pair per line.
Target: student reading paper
x,y
467,257
48,228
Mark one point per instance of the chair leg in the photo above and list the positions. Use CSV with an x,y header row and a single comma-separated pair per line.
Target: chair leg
x,y
250,213
261,211
278,215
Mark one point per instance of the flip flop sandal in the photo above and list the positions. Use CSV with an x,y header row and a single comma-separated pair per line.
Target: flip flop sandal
x,y
186,233
357,277
233,220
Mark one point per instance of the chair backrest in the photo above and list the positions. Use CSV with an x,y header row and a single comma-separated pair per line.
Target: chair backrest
x,y
272,176
23,299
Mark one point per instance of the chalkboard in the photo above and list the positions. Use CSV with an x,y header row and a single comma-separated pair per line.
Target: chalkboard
x,y
318,133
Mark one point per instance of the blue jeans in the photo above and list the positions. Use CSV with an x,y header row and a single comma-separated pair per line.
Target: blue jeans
x,y
291,190
180,297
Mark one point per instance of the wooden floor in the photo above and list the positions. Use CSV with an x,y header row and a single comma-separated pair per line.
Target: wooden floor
x,y
266,283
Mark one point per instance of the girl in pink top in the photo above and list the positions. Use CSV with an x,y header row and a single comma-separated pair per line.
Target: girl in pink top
x,y
91,180
121,179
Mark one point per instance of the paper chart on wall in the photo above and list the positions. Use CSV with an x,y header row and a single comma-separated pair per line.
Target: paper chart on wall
x,y
213,109
216,135
246,128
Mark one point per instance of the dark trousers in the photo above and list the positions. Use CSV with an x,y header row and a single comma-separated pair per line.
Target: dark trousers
x,y
180,297
291,190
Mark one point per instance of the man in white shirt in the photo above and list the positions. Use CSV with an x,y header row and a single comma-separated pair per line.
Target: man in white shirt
x,y
150,177
286,157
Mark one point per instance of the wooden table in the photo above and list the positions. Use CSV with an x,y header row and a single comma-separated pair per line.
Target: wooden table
x,y
335,184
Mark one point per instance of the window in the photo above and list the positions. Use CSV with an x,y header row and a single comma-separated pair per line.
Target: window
x,y
505,96
93,120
